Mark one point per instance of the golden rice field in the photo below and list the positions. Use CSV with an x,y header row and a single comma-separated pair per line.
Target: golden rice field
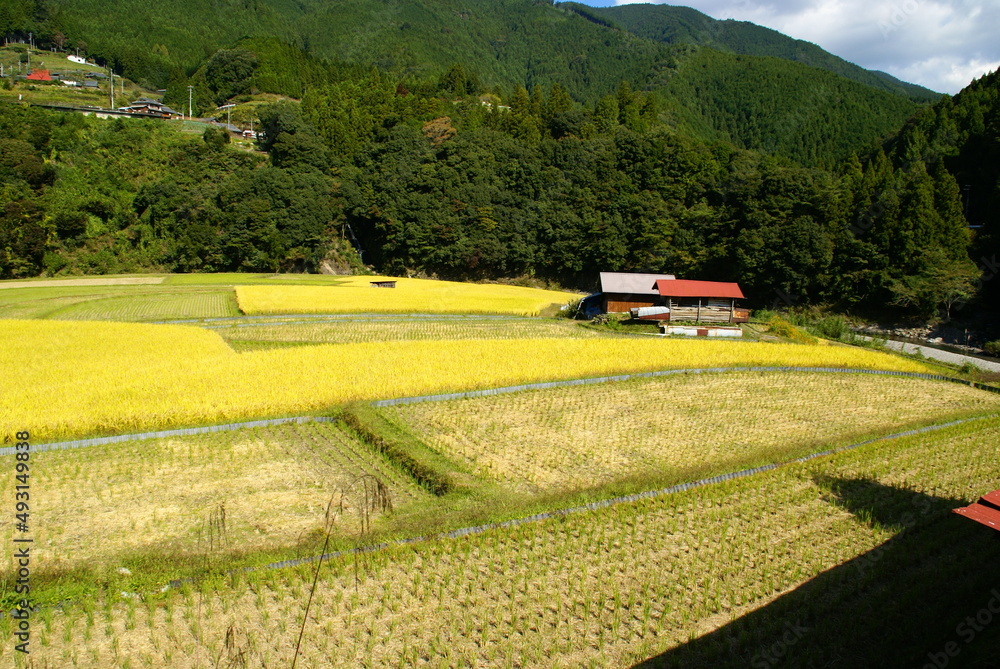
x,y
356,295
75,378
353,331
831,548
679,426
100,504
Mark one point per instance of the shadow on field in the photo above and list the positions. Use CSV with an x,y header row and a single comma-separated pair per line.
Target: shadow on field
x,y
928,597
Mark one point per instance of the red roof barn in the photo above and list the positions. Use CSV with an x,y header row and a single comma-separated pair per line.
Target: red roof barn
x,y
709,301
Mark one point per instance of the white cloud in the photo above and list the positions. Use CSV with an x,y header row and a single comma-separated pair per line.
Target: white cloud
x,y
940,44
946,75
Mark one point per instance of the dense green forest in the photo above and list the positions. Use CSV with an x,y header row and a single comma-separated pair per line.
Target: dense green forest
x,y
683,25
544,189
645,156
959,137
92,196
812,117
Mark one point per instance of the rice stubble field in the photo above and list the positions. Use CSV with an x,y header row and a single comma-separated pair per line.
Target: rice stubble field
x,y
837,547
603,588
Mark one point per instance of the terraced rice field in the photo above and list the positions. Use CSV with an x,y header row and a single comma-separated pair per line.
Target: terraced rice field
x,y
177,305
254,336
420,296
678,427
25,303
109,504
855,555
814,562
115,302
125,377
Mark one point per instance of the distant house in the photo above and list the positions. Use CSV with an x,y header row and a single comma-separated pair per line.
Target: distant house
x,y
90,84
152,107
622,291
39,75
79,60
703,301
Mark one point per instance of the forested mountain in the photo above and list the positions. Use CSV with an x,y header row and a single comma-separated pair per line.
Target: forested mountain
x,y
780,107
544,189
958,137
683,25
90,196
486,140
747,96
147,41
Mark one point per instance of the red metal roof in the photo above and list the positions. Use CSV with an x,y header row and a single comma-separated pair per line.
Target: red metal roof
x,y
39,75
685,288
985,511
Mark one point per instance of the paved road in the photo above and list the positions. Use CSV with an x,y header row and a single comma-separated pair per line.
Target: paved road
x,y
944,356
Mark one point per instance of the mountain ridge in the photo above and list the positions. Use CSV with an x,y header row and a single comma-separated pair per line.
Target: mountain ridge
x,y
672,24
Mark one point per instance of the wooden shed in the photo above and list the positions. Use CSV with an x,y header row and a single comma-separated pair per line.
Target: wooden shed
x,y
622,291
702,301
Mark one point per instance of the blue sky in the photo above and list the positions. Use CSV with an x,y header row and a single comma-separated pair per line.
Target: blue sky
x,y
940,44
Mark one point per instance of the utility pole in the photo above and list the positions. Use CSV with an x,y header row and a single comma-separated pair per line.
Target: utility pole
x,y
112,88
190,106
